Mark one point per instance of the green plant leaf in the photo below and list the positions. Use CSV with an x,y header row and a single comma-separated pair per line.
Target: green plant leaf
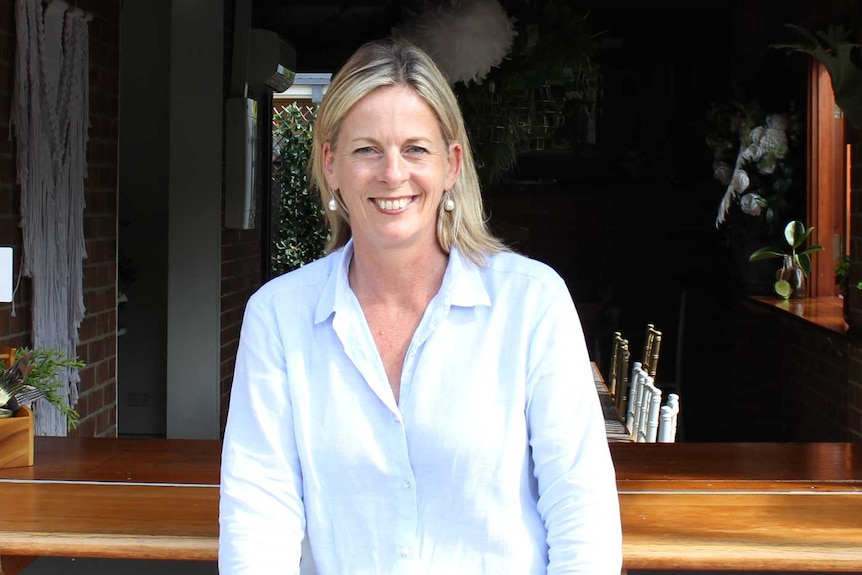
x,y
45,370
804,262
765,253
782,288
811,249
796,233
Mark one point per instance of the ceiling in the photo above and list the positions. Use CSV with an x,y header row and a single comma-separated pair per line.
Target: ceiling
x,y
325,32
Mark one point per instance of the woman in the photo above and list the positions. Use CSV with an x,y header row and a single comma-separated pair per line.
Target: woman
x,y
419,400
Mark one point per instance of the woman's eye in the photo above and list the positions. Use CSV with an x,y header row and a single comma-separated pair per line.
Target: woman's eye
x,y
416,150
365,150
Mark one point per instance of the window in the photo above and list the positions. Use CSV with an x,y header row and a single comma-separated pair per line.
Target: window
x,y
828,201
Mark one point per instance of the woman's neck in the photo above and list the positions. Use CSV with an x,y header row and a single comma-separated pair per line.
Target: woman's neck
x,y
397,277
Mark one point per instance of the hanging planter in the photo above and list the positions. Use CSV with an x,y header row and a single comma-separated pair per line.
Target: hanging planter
x,y
835,49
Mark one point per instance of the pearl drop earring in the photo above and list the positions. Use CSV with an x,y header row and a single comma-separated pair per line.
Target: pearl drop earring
x,y
332,205
448,203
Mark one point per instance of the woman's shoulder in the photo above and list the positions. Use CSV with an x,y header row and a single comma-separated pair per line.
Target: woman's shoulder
x,y
515,264
309,278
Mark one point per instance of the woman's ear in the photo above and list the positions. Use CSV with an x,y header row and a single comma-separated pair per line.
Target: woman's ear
x,y
328,161
455,158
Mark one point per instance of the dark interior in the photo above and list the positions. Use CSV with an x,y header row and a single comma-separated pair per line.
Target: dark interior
x,y
628,221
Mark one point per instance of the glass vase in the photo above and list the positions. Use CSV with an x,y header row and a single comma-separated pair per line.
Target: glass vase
x,y
793,275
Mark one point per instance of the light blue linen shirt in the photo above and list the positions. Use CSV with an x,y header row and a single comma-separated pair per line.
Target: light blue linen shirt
x,y
494,461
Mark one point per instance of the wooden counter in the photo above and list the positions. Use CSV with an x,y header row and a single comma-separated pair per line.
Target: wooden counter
x,y
728,506
741,506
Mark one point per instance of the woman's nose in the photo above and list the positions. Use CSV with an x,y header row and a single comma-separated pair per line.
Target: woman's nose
x,y
394,169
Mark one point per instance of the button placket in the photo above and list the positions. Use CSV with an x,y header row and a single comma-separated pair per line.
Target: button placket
x,y
404,496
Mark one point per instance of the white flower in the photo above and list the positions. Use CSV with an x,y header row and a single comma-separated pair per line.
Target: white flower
x,y
749,204
778,122
756,135
722,172
740,181
774,142
761,157
752,153
767,165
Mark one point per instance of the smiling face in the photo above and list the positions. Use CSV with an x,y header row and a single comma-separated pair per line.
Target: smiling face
x,y
391,166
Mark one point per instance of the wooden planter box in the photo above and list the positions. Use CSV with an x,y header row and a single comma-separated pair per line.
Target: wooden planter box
x,y
16,439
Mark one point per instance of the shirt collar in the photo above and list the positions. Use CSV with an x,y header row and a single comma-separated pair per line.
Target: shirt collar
x,y
336,290
463,285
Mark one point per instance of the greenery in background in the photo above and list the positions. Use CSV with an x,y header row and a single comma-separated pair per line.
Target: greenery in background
x,y
549,77
40,369
842,275
299,229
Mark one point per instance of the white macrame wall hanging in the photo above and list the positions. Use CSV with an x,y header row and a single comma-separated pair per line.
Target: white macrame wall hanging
x,y
50,121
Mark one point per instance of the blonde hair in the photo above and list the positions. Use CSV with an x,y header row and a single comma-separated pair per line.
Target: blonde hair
x,y
396,62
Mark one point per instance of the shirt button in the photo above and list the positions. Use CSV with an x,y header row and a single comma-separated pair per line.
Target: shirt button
x,y
407,485
404,553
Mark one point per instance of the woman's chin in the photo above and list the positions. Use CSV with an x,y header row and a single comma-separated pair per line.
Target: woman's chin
x,y
396,237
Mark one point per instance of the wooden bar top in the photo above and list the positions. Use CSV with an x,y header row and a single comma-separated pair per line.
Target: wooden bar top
x,y
719,506
735,466
187,461
109,520
746,531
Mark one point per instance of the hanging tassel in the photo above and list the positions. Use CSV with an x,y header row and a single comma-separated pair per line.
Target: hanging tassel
x,y
50,123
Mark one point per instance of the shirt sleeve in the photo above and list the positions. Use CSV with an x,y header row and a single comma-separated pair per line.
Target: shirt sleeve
x,y
261,514
578,498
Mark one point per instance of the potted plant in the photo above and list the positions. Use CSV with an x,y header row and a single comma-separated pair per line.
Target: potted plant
x,y
35,374
790,279
842,280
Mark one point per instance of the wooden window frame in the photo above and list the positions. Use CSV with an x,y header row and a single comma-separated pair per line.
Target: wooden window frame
x,y
827,200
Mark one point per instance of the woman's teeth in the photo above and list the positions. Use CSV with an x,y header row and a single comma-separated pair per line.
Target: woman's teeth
x,y
392,204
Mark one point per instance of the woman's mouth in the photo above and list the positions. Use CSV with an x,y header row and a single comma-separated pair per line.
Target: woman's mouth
x,y
392,205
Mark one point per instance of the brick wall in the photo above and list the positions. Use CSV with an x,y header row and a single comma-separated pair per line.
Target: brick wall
x,y
240,277
822,370
14,321
98,342
854,379
240,261
853,376
818,385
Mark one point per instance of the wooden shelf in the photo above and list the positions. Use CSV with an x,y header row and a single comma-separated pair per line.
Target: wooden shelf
x,y
825,311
